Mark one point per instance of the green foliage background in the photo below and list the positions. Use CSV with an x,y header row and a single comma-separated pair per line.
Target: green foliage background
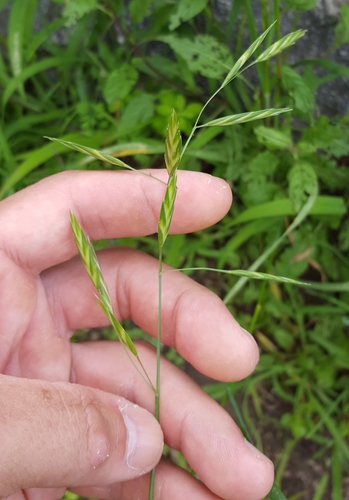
x,y
107,76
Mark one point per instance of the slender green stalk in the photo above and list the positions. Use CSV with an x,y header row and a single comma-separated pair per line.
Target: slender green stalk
x,y
197,121
277,94
253,36
158,360
158,342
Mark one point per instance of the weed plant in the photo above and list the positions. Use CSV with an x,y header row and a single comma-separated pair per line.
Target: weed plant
x,y
116,98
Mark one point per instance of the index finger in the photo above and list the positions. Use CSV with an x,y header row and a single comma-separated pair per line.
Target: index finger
x,y
108,205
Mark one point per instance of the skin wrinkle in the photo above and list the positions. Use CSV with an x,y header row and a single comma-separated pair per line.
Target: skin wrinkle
x,y
153,211
174,313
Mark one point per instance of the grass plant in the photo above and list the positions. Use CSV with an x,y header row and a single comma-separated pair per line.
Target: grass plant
x,y
111,102
173,155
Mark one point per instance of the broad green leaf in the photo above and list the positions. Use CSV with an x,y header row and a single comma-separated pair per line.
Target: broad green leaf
x,y
203,55
323,205
119,84
272,138
264,163
76,9
160,64
276,494
280,45
302,179
186,10
245,56
244,117
138,111
214,153
139,9
294,84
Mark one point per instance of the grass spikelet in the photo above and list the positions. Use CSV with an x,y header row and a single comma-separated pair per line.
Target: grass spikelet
x,y
91,264
173,145
244,117
173,150
167,209
245,56
280,45
91,152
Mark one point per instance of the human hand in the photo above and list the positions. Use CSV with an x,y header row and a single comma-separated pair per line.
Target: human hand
x,y
76,424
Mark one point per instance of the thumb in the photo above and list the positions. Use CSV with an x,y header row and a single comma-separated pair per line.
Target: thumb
x,y
65,435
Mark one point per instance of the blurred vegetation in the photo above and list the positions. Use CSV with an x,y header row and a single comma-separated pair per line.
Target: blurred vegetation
x,y
107,73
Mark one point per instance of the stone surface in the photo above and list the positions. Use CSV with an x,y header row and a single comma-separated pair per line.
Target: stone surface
x,y
332,97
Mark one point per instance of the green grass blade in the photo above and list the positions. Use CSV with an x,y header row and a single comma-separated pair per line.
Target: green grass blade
x,y
331,425
245,56
276,494
297,221
336,475
29,121
16,29
41,37
323,205
36,158
280,45
321,488
33,69
244,117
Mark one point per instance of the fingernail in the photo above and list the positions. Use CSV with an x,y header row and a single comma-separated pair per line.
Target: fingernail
x,y
144,438
256,453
